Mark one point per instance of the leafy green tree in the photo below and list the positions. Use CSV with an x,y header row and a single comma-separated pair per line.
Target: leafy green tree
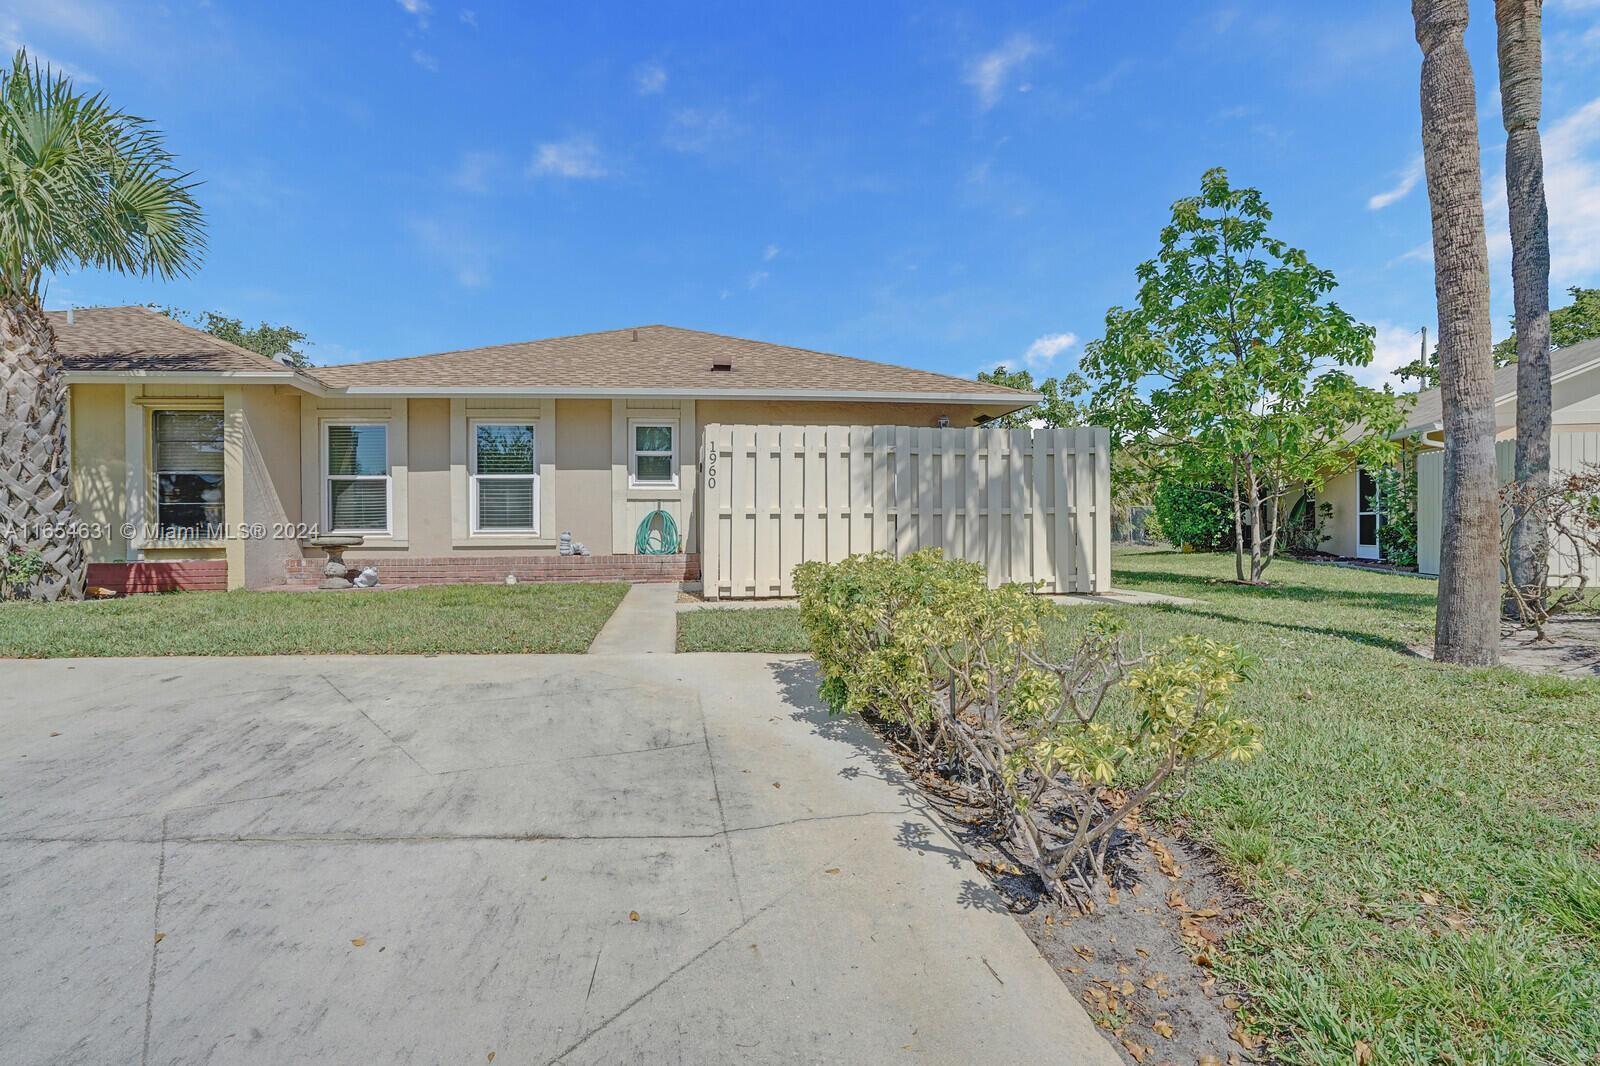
x,y
1578,321
275,342
82,184
1232,368
1058,408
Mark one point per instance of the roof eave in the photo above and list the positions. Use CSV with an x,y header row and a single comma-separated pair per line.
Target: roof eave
x,y
197,377
1016,400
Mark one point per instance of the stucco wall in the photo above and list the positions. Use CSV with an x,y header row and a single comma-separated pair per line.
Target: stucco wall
x,y
583,472
1341,526
99,470
429,476
269,460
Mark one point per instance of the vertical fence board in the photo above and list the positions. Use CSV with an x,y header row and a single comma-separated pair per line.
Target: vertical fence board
x,y
1031,506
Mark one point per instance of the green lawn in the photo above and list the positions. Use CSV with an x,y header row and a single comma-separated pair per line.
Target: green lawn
x,y
1421,843
768,629
451,619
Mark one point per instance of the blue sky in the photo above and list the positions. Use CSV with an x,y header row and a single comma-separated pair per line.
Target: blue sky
x,y
942,185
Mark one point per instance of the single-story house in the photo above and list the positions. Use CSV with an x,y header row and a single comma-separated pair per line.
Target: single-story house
x,y
198,464
1352,527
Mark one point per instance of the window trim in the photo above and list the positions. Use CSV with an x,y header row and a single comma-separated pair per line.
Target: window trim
x,y
387,477
154,536
634,425
473,528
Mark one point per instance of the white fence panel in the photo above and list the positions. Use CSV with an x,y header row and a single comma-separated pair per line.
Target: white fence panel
x,y
1030,505
1570,453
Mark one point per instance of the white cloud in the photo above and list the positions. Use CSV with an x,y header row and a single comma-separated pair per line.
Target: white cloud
x,y
989,73
1409,177
757,279
470,17
427,62
698,130
575,157
475,172
1043,351
417,9
1572,188
770,252
1393,347
649,79
461,252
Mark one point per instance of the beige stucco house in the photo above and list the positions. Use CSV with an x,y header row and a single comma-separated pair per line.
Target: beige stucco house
x,y
196,463
1352,528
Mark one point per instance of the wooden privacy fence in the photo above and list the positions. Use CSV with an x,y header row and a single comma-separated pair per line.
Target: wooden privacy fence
x,y
1030,505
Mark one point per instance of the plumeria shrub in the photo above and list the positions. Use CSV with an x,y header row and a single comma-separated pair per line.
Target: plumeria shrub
x,y
1059,750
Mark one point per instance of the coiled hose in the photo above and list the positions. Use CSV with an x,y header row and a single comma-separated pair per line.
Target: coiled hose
x,y
657,538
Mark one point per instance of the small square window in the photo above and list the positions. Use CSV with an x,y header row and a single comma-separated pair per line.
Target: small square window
x,y
654,454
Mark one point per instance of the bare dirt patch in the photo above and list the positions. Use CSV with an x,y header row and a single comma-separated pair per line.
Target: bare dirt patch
x,y
1139,962
1571,647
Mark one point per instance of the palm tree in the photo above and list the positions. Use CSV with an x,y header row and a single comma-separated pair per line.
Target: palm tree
x,y
1466,628
81,185
1518,23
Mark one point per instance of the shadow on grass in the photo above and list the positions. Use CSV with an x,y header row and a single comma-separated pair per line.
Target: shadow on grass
x,y
1387,601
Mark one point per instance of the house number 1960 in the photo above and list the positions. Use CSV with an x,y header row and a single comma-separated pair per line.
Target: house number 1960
x,y
711,464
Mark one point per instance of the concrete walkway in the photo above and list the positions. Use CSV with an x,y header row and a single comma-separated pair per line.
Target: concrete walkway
x,y
547,858
1069,599
644,623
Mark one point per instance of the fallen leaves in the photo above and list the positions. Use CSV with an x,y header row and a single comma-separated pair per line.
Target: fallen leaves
x,y
358,942
1363,1053
1136,1051
633,916
160,937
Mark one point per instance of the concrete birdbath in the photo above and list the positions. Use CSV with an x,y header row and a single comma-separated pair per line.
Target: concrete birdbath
x,y
334,570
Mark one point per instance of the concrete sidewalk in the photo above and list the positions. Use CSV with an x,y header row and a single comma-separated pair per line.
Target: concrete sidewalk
x,y
644,623
550,858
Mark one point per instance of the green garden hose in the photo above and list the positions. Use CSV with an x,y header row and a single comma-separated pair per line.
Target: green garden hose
x,y
657,539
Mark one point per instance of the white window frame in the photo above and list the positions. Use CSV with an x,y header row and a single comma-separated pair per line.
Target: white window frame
x,y
387,477
473,477
634,425
156,536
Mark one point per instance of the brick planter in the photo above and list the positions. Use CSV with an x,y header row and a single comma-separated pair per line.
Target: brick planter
x,y
492,569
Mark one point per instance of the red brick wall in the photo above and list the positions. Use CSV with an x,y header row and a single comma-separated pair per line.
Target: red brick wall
x,y
492,569
198,574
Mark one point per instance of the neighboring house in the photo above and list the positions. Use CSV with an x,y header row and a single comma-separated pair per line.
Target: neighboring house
x,y
464,465
1352,528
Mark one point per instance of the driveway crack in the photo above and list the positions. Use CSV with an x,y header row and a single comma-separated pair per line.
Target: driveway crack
x,y
722,815
155,946
386,736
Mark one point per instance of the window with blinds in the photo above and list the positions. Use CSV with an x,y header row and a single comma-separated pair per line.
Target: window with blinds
x,y
187,457
358,478
505,478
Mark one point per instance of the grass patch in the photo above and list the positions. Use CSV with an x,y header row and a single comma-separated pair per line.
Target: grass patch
x,y
759,629
449,619
1421,843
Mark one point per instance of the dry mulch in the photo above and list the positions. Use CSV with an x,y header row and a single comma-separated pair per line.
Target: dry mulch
x,y
1571,647
1139,961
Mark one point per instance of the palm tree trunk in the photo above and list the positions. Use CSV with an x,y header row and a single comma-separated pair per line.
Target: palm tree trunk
x,y
36,508
1521,69
1467,625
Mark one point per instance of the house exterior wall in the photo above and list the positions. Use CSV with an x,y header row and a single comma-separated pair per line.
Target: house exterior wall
x,y
274,478
99,467
1569,452
1340,527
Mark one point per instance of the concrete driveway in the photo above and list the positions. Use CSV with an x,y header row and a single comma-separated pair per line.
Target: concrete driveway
x,y
634,859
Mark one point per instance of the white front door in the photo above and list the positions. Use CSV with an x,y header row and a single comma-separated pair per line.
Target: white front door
x,y
1368,515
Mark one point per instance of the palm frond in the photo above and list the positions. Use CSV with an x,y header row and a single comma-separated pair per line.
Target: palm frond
x,y
85,184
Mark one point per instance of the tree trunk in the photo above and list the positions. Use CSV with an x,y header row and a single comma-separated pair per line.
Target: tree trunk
x,y
1238,527
1254,498
1467,625
36,507
1521,70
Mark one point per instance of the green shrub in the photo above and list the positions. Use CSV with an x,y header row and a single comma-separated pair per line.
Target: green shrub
x,y
19,569
924,643
1397,496
1198,519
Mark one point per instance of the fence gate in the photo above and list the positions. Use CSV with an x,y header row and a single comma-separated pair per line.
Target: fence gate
x,y
1030,505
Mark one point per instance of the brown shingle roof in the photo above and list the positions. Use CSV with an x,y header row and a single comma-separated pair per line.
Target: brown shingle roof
x,y
652,357
139,339
1428,411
